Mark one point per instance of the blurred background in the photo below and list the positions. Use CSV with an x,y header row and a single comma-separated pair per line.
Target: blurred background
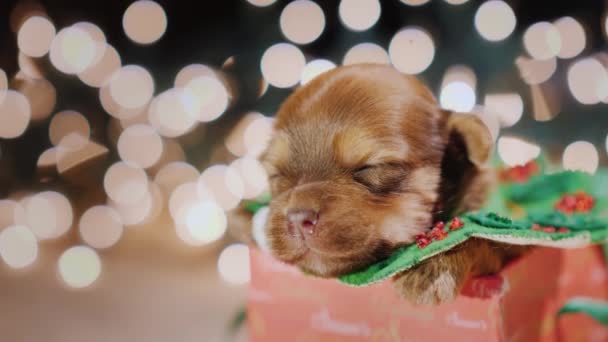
x,y
129,128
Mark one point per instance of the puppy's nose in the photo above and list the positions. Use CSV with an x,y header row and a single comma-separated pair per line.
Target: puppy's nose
x,y
303,219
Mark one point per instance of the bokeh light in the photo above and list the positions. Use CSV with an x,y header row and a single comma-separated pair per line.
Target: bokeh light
x,y
41,95
15,114
359,15
253,176
233,264
192,71
534,71
588,81
206,98
173,112
136,213
515,151
131,86
366,53
542,40
572,37
18,246
139,144
314,68
581,156
144,22
456,2
509,107
257,135
99,73
29,67
458,89
206,222
235,142
10,211
68,122
302,21
224,183
73,50
100,227
282,65
411,50
48,214
415,2
3,84
174,174
495,20
125,183
35,36
261,3
79,266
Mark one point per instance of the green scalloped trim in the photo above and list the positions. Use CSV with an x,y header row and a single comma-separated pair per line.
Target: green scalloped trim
x,y
536,198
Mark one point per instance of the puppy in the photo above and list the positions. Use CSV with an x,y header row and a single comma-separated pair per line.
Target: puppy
x,y
363,160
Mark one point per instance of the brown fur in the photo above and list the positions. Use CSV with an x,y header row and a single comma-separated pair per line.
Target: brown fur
x,y
368,149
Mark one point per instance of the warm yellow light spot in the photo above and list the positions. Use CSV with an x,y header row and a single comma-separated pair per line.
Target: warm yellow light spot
x,y
35,36
15,114
79,266
411,50
302,21
144,22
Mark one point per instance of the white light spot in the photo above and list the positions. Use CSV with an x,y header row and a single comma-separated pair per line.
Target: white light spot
x,y
302,21
359,15
514,151
141,145
15,114
100,227
366,53
144,22
131,86
457,96
18,246
282,65
35,36
79,266
588,81
233,264
572,37
315,68
411,50
542,40
495,20
581,156
509,107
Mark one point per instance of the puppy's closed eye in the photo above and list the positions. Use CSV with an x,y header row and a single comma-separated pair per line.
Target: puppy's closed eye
x,y
381,178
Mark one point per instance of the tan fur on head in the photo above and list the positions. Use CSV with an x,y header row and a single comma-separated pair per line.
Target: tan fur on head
x,y
362,160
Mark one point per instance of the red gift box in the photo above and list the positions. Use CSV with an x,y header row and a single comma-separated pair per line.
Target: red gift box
x,y
519,304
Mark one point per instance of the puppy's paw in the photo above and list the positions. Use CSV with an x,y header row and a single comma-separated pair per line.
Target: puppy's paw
x,y
429,284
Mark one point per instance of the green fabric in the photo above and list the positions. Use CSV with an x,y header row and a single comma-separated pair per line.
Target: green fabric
x,y
594,308
509,217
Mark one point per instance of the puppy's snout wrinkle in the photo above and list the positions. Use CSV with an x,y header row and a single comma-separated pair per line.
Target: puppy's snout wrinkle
x,y
305,220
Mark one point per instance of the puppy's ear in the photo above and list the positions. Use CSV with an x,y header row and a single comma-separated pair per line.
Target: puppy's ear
x,y
465,177
474,138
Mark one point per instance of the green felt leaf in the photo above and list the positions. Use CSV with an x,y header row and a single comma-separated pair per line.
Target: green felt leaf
x,y
595,308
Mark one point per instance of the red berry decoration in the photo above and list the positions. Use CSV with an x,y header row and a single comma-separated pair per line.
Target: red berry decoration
x,y
423,242
456,223
438,233
520,173
549,229
536,226
575,203
563,230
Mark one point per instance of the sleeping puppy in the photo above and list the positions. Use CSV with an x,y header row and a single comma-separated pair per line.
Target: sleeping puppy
x,y
363,160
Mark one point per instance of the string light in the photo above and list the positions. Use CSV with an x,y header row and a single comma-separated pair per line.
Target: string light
x,y
144,22
282,65
588,81
100,227
233,264
581,156
35,36
359,15
542,40
68,122
314,68
415,2
302,21
509,107
79,266
48,214
131,86
208,98
411,50
366,53
141,145
175,174
206,222
514,151
73,50
15,114
173,112
125,183
18,246
495,20
572,36
458,89
261,3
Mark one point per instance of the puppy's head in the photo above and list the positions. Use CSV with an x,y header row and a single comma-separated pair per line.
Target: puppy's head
x,y
357,167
